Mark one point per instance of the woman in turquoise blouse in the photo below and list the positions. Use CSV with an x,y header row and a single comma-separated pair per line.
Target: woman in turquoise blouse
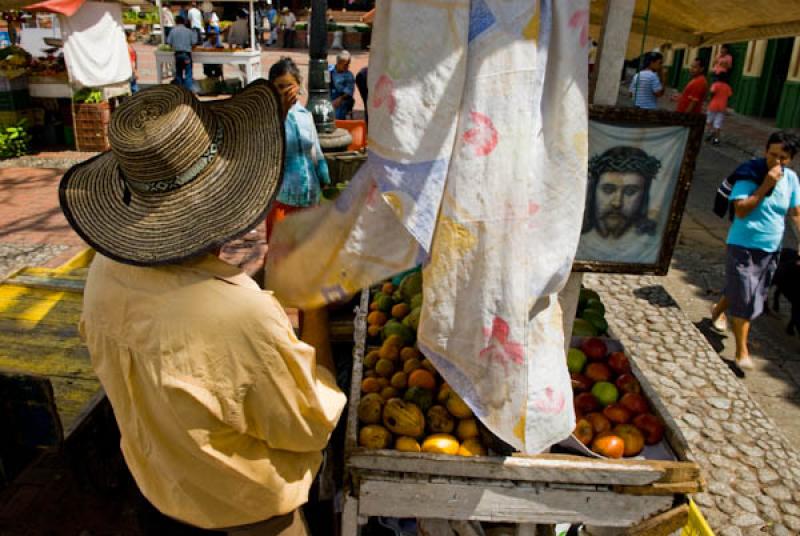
x,y
305,169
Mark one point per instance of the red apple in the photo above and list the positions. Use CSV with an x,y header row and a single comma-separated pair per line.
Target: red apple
x,y
609,445
594,348
617,414
628,384
583,431
580,382
586,403
619,363
600,422
598,372
651,426
633,438
634,402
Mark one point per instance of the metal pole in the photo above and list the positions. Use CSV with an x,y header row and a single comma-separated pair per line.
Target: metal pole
x,y
319,101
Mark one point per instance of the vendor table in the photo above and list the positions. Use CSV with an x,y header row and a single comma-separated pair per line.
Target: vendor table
x,y
249,59
632,496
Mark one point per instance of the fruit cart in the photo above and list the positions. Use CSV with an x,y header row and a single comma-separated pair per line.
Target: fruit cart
x,y
632,496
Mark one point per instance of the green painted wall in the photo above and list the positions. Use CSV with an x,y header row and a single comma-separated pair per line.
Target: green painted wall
x,y
748,95
684,79
739,53
789,107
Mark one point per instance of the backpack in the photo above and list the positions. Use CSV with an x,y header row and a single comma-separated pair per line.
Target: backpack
x,y
753,170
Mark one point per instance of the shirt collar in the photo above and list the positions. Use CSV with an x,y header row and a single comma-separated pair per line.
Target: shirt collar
x,y
215,267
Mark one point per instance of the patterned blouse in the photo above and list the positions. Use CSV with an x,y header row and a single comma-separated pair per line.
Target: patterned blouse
x,y
305,168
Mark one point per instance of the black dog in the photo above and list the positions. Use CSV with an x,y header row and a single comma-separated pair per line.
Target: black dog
x,y
787,282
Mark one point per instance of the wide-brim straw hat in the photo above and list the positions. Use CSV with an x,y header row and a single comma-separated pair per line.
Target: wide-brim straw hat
x,y
182,177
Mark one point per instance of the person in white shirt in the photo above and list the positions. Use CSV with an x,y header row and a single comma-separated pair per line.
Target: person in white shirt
x,y
167,20
288,21
196,21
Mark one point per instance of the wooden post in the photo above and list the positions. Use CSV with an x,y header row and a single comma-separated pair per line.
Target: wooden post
x,y
611,51
161,22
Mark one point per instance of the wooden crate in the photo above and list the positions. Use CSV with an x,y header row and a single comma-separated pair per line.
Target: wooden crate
x,y
645,496
91,126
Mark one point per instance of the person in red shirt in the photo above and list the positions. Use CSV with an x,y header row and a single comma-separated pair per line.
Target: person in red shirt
x,y
691,100
720,93
130,36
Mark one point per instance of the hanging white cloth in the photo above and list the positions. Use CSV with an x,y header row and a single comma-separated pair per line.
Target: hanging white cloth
x,y
95,48
477,169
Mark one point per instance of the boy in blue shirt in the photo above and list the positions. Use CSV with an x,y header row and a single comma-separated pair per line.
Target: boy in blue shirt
x,y
754,240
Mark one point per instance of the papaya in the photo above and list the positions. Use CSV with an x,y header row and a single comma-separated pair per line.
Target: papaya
x,y
411,286
416,301
373,330
439,420
457,407
444,392
419,396
371,358
399,380
467,429
471,447
409,352
377,318
388,393
411,320
385,304
370,408
441,444
374,436
384,367
389,351
407,444
400,311
394,340
403,418
395,327
411,365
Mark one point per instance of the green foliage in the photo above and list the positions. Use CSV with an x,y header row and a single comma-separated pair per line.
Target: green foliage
x,y
144,17
15,140
87,96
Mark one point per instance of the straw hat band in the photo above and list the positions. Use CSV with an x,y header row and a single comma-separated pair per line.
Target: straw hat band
x,y
143,135
207,173
167,185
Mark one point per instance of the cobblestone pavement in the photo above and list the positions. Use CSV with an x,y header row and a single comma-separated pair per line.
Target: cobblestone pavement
x,y
15,256
752,469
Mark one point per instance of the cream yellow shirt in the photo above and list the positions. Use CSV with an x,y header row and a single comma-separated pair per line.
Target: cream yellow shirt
x,y
223,411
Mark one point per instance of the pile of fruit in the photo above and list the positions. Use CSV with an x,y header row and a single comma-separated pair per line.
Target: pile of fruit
x,y
14,62
613,418
590,320
405,404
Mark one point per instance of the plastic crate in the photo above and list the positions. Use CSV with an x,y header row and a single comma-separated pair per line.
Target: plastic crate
x,y
15,100
696,526
100,112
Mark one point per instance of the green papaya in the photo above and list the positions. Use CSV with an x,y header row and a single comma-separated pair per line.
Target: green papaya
x,y
412,319
411,285
420,396
395,327
416,301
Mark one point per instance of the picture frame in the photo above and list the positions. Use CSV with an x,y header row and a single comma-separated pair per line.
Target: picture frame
x,y
641,164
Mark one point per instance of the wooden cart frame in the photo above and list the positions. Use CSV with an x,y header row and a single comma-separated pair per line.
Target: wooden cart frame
x,y
636,496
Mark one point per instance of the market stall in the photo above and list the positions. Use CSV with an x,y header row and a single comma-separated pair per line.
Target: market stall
x,y
248,60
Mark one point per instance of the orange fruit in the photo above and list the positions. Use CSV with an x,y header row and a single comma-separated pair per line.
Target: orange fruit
x,y
409,353
400,310
422,378
387,288
373,331
377,318
370,385
373,306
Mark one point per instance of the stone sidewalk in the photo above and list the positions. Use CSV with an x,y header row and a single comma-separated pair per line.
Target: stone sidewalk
x,y
752,469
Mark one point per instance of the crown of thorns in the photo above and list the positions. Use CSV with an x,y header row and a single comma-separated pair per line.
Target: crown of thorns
x,y
624,160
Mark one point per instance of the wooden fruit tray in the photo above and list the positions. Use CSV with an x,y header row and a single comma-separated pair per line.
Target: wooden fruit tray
x,y
643,496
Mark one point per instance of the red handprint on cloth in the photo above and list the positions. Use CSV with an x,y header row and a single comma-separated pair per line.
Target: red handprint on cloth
x,y
482,136
384,93
580,19
500,348
553,402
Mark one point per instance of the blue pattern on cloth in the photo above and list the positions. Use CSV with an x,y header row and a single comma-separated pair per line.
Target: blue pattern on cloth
x,y
481,19
302,176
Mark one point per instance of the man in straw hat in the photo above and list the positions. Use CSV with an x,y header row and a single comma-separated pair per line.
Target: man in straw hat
x,y
223,412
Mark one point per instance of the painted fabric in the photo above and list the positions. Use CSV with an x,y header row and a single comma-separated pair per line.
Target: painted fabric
x,y
477,170
305,168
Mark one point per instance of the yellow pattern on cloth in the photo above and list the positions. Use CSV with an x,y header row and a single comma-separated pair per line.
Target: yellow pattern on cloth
x,y
223,411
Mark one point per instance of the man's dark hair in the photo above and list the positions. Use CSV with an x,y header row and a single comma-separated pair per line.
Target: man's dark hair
x,y
789,141
179,20
651,57
622,159
726,46
284,66
702,64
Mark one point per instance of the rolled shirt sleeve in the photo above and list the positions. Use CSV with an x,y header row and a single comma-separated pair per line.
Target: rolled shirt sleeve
x,y
742,189
293,404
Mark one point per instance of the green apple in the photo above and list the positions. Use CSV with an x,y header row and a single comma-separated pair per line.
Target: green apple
x,y
605,392
576,360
